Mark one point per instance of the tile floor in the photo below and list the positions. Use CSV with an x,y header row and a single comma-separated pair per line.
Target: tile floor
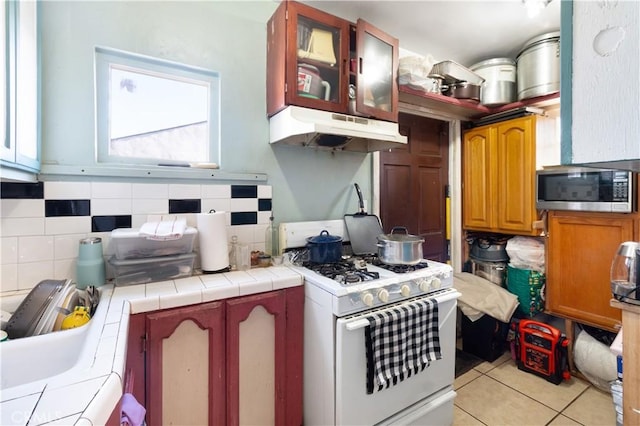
x,y
497,393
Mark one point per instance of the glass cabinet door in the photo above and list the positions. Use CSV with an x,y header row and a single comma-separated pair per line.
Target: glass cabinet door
x,y
318,76
376,76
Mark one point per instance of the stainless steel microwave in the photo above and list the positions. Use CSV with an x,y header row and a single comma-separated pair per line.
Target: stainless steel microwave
x,y
585,189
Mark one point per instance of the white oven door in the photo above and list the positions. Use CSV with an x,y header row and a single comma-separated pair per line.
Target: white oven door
x,y
353,405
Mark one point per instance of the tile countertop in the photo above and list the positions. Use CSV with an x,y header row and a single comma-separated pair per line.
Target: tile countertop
x,y
87,393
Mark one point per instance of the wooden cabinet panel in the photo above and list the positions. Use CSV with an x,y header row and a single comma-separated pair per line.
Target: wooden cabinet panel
x,y
186,370
499,165
256,327
479,186
235,361
580,248
516,175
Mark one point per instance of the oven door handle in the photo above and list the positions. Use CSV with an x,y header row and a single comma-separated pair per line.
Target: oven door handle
x,y
363,321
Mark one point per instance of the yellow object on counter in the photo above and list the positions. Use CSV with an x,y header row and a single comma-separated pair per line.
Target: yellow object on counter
x,y
80,316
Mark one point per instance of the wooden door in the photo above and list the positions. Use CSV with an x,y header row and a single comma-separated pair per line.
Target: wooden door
x,y
515,174
478,179
256,359
185,366
413,183
579,252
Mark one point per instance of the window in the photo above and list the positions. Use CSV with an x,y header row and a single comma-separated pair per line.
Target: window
x,y
151,111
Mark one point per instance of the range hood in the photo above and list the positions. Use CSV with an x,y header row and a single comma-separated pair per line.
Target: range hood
x,y
332,131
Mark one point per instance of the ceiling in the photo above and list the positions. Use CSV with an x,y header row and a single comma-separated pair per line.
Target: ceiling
x,y
465,31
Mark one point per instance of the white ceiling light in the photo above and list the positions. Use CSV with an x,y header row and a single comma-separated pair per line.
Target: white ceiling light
x,y
534,7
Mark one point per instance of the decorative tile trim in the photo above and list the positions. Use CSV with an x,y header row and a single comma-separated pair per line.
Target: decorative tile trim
x,y
58,208
22,190
244,218
244,191
184,206
109,223
264,205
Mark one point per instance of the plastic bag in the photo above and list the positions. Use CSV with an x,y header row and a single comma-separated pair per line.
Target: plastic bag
x,y
526,253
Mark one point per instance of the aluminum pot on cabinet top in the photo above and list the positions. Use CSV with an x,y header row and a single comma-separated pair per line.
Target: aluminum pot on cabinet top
x,y
538,66
400,249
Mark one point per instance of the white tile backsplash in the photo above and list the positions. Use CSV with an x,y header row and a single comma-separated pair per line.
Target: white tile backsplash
x,y
184,191
21,208
35,248
11,227
216,191
264,191
111,206
67,225
243,204
31,273
150,190
67,191
66,246
110,190
149,205
9,277
8,250
219,205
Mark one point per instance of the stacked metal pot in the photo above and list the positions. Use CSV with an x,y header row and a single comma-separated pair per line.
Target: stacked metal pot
x,y
535,72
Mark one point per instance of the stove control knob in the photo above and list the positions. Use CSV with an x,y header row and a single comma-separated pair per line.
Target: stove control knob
x,y
405,290
423,284
367,298
436,283
383,295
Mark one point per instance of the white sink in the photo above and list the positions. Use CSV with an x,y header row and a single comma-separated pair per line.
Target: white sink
x,y
36,358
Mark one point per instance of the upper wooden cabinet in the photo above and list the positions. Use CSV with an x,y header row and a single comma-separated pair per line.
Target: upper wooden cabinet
x,y
499,165
317,60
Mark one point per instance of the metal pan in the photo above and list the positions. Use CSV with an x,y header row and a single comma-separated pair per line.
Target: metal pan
x,y
363,229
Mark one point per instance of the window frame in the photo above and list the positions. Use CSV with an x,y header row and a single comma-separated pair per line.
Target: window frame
x,y
105,58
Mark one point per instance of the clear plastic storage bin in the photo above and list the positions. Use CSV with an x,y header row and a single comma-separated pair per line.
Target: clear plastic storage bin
x,y
151,269
129,244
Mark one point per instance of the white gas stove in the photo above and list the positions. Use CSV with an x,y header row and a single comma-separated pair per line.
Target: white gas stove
x,y
340,299
362,283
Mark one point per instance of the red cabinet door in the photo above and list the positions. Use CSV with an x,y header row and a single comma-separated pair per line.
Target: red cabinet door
x,y
185,365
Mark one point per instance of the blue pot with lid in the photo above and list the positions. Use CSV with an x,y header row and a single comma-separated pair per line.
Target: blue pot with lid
x,y
324,248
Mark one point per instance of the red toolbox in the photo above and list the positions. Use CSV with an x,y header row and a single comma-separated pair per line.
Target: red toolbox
x,y
541,349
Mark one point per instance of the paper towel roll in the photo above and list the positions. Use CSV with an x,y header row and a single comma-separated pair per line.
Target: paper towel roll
x,y
214,251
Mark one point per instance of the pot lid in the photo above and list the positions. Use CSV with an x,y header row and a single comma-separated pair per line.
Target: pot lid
x,y
539,39
406,237
492,62
324,237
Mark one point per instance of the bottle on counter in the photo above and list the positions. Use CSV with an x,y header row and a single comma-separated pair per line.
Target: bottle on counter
x,y
271,239
233,254
90,268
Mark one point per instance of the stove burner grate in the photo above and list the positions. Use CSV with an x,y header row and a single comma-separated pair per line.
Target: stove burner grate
x,y
343,272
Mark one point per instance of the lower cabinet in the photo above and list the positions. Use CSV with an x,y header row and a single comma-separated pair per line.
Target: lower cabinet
x,y
233,362
580,248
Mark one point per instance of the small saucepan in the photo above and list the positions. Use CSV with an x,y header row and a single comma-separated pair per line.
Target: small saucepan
x,y
324,248
400,249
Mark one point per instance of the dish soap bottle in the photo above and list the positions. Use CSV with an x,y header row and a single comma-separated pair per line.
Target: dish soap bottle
x,y
233,254
271,239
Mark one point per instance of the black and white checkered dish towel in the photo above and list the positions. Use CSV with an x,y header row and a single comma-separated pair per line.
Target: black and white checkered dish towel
x,y
400,342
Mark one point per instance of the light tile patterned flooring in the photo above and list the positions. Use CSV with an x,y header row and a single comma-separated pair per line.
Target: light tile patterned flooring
x,y
497,393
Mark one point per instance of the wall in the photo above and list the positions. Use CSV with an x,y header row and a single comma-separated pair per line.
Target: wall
x,y
225,36
41,224
605,83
